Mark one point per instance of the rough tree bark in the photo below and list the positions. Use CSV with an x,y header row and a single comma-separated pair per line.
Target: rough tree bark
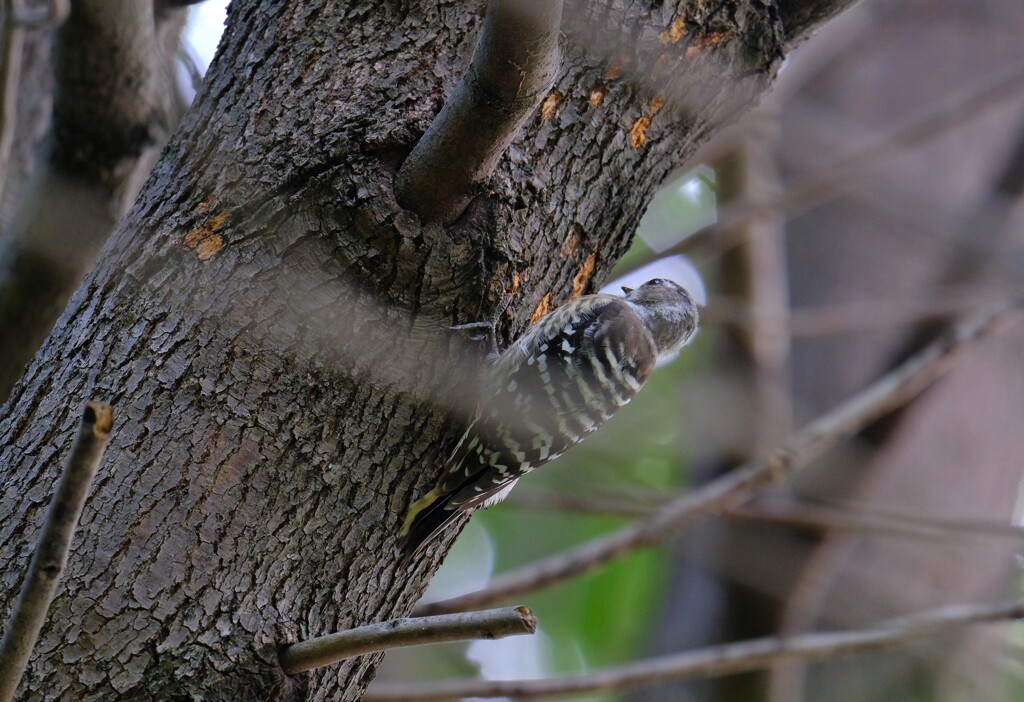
x,y
271,326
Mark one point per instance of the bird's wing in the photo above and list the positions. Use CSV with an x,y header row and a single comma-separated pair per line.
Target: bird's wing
x,y
549,391
561,380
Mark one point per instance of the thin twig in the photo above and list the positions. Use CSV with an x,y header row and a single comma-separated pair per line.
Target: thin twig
x,y
833,180
52,548
854,316
890,391
822,519
945,524
580,503
325,650
513,66
718,661
810,514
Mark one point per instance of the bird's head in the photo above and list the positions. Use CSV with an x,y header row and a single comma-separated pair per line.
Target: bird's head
x,y
669,312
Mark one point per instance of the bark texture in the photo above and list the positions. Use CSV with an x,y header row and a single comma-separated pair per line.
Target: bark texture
x,y
271,327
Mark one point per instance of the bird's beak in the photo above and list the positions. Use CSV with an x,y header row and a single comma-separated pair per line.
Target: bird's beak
x,y
626,290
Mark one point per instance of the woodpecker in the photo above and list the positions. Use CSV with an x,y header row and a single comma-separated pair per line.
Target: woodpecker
x,y
565,377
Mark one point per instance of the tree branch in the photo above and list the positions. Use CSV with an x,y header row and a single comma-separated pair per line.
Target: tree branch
x,y
15,20
800,18
514,64
110,116
887,393
718,661
832,180
817,515
51,552
824,518
939,301
51,15
10,75
488,624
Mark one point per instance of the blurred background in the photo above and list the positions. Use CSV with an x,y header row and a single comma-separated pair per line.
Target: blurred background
x,y
871,198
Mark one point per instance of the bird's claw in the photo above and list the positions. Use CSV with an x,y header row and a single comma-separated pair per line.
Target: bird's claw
x,y
484,331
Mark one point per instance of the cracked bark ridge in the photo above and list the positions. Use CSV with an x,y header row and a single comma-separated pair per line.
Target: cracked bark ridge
x,y
288,393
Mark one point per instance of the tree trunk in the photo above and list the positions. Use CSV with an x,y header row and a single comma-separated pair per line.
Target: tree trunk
x,y
272,328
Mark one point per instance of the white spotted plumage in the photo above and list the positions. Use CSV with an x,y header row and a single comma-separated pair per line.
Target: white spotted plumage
x,y
561,380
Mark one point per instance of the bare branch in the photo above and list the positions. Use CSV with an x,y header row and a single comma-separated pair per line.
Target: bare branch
x,y
51,552
110,115
10,74
718,661
833,179
15,19
801,17
818,515
53,14
887,393
946,524
488,624
574,502
854,316
514,64
810,517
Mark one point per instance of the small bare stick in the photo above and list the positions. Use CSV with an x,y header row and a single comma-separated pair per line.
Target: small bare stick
x,y
488,624
52,548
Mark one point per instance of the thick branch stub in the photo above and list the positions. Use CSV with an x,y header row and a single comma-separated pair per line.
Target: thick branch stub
x,y
325,650
514,64
51,552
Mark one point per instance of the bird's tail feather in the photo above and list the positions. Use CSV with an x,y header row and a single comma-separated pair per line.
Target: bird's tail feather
x,y
427,517
435,511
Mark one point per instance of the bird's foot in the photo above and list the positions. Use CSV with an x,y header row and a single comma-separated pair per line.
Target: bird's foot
x,y
481,331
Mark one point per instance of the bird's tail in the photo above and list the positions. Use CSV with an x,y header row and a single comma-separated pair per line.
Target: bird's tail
x,y
427,517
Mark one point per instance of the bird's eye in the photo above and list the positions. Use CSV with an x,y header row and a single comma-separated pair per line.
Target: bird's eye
x,y
656,281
